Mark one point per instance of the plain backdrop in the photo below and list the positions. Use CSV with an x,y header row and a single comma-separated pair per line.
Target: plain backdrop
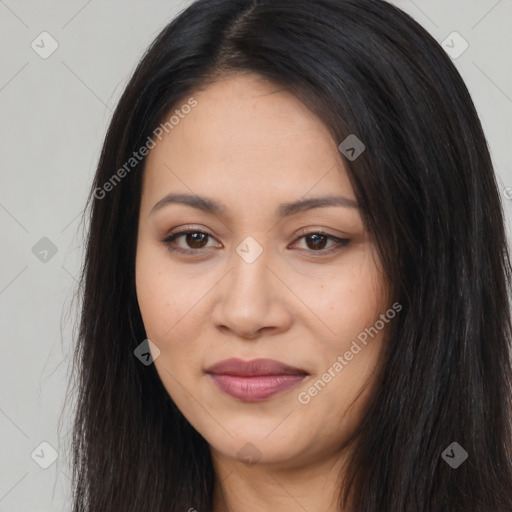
x,y
55,109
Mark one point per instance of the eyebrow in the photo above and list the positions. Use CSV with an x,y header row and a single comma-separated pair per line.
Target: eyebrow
x,y
284,210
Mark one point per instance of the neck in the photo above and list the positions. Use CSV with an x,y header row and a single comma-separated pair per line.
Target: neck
x,y
312,486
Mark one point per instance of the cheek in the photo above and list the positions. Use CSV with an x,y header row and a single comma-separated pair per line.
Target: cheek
x,y
166,296
350,304
166,302
347,298
153,293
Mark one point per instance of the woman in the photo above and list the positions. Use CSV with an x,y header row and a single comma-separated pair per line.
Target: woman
x,y
296,282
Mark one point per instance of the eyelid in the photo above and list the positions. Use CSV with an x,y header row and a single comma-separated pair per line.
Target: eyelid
x,y
313,230
183,230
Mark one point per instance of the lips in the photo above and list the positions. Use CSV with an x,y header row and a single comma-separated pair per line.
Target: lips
x,y
256,367
256,380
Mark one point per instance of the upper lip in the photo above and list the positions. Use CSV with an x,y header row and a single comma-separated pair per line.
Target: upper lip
x,y
254,367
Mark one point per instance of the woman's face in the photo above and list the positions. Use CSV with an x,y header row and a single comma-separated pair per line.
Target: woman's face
x,y
261,283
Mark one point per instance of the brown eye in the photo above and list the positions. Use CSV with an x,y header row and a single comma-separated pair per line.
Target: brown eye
x,y
317,241
194,241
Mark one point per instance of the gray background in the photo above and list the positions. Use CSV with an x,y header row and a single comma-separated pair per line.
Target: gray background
x,y
55,112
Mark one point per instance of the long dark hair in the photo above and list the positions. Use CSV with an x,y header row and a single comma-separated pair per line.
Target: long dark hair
x,y
427,190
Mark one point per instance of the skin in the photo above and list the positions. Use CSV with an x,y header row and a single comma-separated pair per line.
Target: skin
x,y
252,146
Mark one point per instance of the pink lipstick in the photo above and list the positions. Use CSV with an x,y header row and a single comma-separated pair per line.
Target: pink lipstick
x,y
255,380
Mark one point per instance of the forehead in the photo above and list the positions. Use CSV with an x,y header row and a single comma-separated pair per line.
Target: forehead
x,y
246,133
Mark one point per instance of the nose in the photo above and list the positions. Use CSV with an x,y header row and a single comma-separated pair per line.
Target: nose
x,y
251,300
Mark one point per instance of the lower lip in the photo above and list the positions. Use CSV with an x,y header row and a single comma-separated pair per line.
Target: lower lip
x,y
255,389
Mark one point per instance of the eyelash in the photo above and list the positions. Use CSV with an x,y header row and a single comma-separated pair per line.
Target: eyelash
x,y
342,242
